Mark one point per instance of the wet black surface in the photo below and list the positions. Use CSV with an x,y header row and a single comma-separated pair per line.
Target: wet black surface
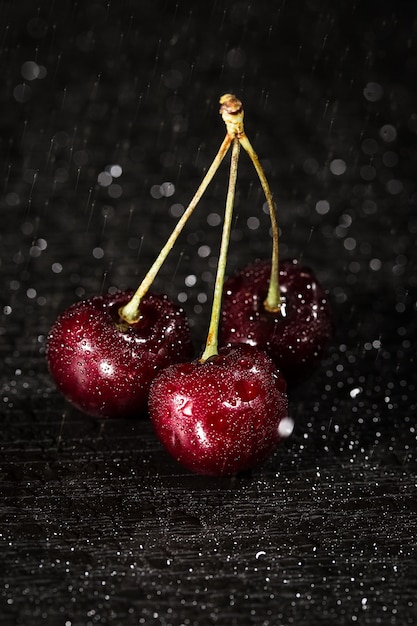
x,y
97,524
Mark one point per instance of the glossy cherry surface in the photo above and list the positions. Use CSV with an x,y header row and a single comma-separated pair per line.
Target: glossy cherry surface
x,y
297,336
222,416
104,366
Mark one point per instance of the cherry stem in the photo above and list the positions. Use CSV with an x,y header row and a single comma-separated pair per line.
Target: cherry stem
x,y
211,348
232,112
130,312
272,302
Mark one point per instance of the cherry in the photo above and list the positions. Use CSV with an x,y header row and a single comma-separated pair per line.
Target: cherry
x,y
296,335
103,365
221,416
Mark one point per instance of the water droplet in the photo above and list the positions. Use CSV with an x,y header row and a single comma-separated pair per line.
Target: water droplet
x,y
373,92
30,70
338,167
22,93
388,133
322,207
286,427
167,189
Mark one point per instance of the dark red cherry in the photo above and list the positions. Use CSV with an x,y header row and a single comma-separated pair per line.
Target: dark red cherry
x,y
222,416
297,336
105,366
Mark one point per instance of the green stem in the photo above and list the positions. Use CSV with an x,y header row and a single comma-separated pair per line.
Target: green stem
x,y
273,299
130,312
211,348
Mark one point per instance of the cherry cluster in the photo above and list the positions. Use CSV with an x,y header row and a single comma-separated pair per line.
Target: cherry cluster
x,y
123,354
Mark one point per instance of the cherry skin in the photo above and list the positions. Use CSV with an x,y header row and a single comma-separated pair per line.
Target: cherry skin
x,y
222,416
297,336
105,366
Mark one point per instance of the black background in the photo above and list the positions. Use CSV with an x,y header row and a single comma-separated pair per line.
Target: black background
x,y
97,524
